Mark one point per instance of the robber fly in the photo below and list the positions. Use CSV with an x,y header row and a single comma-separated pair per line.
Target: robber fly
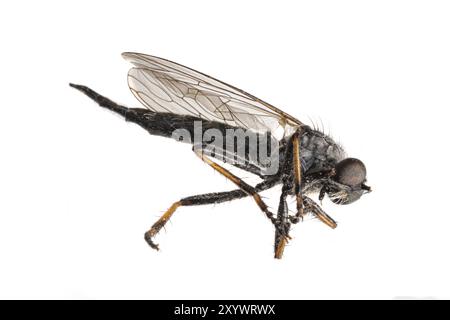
x,y
176,97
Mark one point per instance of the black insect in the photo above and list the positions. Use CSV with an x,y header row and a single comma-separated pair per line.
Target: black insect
x,y
180,99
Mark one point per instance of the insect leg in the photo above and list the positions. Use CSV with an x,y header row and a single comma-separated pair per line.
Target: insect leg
x,y
296,141
202,199
248,189
283,225
315,209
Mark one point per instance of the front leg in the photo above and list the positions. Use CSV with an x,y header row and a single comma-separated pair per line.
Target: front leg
x,y
316,210
297,164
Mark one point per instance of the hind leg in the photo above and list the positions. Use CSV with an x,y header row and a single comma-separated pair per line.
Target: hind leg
x,y
202,199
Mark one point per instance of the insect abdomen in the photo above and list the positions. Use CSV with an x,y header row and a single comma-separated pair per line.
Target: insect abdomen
x,y
165,124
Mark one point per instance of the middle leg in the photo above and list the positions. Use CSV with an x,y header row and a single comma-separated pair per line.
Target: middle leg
x,y
283,225
248,189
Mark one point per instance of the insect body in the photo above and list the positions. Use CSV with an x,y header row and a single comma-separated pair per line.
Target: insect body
x,y
238,128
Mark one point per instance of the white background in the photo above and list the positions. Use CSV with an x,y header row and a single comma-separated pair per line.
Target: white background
x,y
79,186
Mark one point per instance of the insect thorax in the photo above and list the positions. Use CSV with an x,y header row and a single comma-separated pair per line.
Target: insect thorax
x,y
319,152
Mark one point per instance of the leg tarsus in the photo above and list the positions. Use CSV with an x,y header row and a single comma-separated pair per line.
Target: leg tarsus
x,y
158,225
281,238
282,224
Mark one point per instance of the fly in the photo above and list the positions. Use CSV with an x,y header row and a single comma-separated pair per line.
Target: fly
x,y
227,124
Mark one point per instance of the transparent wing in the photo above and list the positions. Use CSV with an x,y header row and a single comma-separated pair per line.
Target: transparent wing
x,y
165,86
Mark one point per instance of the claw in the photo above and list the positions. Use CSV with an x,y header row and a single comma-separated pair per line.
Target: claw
x,y
298,217
148,238
295,219
301,216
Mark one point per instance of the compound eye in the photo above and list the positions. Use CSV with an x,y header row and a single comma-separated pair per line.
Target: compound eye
x,y
351,172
